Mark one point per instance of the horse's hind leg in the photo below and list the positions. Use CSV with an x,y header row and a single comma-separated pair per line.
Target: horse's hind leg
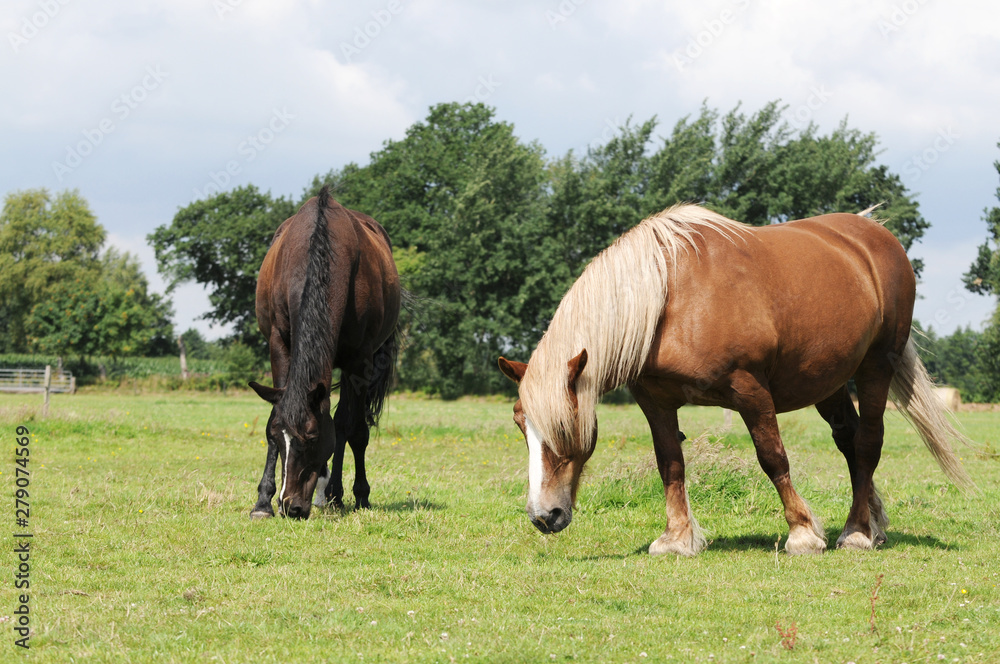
x,y
359,443
866,522
805,535
682,535
341,424
839,412
352,428
328,438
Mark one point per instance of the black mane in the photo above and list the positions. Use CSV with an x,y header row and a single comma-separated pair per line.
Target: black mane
x,y
312,350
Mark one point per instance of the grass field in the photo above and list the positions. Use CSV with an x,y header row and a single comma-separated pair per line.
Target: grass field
x,y
143,550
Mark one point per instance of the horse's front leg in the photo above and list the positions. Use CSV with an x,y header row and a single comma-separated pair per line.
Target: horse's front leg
x,y
266,488
805,534
682,535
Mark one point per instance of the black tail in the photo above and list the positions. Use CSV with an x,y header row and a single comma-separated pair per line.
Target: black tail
x,y
383,374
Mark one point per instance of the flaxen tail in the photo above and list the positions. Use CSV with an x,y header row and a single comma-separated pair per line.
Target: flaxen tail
x,y
913,393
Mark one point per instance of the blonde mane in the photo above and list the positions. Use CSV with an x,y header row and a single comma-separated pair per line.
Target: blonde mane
x,y
612,311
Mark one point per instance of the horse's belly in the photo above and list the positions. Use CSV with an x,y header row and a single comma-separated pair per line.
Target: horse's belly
x,y
795,385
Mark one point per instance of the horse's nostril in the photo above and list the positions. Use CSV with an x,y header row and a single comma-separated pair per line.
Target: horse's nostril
x,y
554,516
296,512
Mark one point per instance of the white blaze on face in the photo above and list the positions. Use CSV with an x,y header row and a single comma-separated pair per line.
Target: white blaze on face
x,y
284,474
535,468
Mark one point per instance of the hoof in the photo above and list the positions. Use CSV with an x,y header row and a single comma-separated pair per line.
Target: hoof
x,y
261,514
803,541
855,539
679,547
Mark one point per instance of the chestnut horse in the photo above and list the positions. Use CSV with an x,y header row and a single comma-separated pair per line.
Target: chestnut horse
x,y
691,307
328,296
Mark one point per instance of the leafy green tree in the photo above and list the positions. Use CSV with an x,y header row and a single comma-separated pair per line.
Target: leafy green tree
x,y
757,170
753,168
104,311
196,346
957,360
595,199
44,241
984,277
984,274
221,242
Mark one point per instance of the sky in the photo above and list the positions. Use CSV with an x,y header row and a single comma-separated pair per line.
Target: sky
x,y
145,106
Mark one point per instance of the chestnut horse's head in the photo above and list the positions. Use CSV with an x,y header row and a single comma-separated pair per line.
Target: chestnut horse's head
x,y
299,425
558,445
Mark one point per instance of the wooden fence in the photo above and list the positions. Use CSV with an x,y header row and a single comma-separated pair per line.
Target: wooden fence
x,y
33,380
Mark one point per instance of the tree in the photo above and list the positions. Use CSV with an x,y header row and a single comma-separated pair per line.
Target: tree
x,y
221,242
104,311
956,360
757,170
752,168
196,345
44,241
984,274
984,277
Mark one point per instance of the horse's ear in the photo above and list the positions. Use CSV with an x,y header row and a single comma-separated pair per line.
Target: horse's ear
x,y
513,370
268,394
576,366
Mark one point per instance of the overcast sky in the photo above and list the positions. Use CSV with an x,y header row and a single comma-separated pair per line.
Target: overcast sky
x,y
142,105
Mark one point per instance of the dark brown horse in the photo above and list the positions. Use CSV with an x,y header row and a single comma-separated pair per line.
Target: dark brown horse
x,y
691,307
327,296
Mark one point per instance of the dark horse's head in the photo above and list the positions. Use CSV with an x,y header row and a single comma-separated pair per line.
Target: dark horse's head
x,y
299,423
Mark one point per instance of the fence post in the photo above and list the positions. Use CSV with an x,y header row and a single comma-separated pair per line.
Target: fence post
x,y
48,385
727,419
184,365
72,384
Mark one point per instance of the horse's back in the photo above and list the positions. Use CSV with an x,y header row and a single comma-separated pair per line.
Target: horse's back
x,y
362,264
798,304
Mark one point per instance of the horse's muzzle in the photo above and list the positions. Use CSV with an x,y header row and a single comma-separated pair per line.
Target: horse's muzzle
x,y
551,521
296,509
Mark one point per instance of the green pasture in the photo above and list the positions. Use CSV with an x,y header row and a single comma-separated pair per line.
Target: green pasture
x,y
143,550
